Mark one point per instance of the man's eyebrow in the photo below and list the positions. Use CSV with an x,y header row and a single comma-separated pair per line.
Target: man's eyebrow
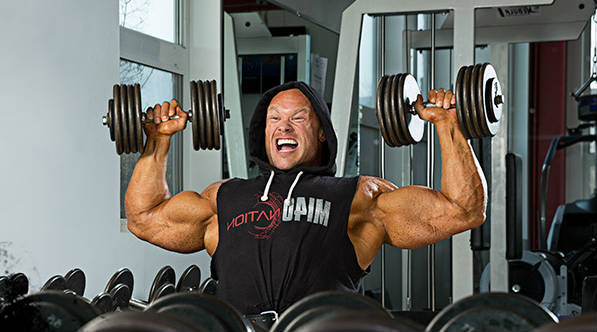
x,y
301,110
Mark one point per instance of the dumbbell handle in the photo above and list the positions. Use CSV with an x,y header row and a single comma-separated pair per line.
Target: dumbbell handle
x,y
145,120
138,304
499,99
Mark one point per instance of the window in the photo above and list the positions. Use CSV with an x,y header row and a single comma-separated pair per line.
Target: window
x,y
157,18
156,86
155,21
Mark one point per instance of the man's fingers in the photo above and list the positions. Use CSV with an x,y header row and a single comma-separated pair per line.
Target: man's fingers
x,y
149,113
157,113
431,96
439,98
165,111
173,106
419,107
182,116
448,99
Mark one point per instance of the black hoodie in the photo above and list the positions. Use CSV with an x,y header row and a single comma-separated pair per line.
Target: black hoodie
x,y
283,235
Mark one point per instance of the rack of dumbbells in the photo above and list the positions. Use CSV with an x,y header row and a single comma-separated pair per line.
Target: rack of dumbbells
x,y
188,305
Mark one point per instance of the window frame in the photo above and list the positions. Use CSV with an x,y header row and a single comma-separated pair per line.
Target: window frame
x,y
163,55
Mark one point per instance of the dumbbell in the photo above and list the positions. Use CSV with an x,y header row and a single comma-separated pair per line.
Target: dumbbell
x,y
120,287
479,102
13,286
125,118
117,294
72,282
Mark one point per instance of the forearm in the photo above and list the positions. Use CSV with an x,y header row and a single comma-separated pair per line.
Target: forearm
x,y
463,181
148,186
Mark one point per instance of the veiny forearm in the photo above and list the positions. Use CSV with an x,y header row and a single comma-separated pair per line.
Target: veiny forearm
x,y
463,181
148,187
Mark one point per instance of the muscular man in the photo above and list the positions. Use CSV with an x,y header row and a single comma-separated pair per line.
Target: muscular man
x,y
296,229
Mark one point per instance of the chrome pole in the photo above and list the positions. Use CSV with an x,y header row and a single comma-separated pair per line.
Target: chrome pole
x,y
382,67
430,173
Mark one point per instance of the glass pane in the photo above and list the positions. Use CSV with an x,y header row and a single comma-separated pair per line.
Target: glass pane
x,y
156,87
156,18
261,72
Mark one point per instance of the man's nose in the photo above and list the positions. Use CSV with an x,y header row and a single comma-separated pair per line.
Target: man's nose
x,y
284,126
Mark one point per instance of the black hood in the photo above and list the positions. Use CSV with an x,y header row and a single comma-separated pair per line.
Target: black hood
x,y
257,131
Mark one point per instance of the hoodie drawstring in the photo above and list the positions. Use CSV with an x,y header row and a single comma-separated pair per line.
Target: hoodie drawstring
x,y
287,200
269,183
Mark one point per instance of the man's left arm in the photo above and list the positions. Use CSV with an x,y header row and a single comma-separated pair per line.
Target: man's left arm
x,y
415,216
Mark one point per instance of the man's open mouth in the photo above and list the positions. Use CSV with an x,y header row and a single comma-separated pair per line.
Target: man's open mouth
x,y
286,144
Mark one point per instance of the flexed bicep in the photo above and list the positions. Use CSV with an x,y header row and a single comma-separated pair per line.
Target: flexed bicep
x,y
186,222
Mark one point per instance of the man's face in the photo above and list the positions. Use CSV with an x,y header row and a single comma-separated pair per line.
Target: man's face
x,y
293,133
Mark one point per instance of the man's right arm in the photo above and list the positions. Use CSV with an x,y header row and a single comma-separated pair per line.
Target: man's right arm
x,y
186,222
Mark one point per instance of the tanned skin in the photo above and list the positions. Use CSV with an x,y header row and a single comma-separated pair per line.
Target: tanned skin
x,y
407,217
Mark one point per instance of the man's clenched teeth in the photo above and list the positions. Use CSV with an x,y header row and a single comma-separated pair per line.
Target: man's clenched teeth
x,y
286,144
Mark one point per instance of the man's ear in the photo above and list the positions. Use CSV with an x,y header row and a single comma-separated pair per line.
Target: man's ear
x,y
321,136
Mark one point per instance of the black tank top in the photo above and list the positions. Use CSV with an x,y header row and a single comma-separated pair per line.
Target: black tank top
x,y
271,253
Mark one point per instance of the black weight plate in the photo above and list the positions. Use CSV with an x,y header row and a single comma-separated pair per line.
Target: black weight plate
x,y
54,283
414,124
209,134
223,311
379,111
103,303
118,120
130,112
75,281
137,321
587,322
387,109
222,113
321,312
201,114
466,102
357,321
459,106
190,279
459,102
19,284
122,276
138,118
164,276
121,295
338,298
396,109
195,111
209,287
195,316
207,116
5,289
488,319
522,305
110,119
165,289
215,121
47,311
481,101
474,105
403,108
124,117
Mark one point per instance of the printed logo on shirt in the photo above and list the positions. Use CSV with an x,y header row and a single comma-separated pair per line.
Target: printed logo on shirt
x,y
266,216
314,210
